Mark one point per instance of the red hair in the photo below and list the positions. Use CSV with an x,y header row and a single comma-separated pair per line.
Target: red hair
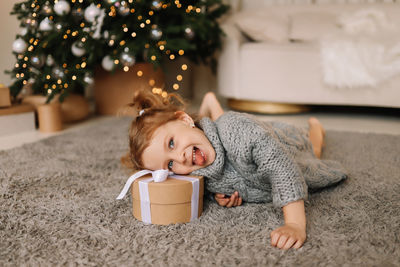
x,y
150,112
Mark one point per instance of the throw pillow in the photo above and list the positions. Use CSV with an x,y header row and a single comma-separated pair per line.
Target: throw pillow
x,y
263,26
312,26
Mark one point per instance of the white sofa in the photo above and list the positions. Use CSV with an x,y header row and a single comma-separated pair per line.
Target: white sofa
x,y
282,62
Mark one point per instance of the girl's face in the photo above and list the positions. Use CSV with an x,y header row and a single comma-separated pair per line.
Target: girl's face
x,y
179,147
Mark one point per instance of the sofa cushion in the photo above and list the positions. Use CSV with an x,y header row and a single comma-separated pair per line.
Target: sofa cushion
x,y
367,21
263,25
312,26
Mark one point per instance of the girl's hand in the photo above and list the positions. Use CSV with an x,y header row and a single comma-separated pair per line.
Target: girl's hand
x,y
226,201
288,236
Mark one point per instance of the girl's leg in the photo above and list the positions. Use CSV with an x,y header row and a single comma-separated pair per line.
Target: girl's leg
x,y
210,107
316,135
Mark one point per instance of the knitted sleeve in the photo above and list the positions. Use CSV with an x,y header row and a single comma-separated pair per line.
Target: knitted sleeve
x,y
287,182
250,143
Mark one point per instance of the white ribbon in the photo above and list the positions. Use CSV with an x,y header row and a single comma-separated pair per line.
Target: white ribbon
x,y
160,176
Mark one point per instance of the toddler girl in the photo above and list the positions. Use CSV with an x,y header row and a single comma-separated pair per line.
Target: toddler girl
x,y
239,156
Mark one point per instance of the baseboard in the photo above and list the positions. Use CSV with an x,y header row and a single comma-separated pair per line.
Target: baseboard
x,y
16,123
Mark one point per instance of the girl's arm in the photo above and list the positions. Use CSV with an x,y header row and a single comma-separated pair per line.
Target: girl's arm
x,y
293,233
210,107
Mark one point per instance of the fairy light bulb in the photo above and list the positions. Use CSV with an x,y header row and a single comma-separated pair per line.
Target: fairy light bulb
x,y
184,67
175,86
139,73
179,77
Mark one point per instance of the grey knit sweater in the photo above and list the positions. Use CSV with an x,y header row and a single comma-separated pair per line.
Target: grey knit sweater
x,y
264,161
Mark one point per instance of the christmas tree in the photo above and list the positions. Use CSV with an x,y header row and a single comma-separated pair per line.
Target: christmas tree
x,y
62,42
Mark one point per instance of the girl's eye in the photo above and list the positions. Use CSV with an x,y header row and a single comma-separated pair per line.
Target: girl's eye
x,y
171,143
170,164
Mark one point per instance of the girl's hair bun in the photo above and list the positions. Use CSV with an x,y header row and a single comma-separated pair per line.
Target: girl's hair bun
x,y
146,102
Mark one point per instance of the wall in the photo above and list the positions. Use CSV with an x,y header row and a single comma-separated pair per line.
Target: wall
x,y
9,27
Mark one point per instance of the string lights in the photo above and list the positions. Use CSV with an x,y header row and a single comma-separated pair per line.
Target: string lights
x,y
63,41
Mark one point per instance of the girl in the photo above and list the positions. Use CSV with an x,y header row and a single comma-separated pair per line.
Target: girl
x,y
239,156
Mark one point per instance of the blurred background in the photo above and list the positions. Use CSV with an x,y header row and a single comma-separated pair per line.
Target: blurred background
x,y
285,60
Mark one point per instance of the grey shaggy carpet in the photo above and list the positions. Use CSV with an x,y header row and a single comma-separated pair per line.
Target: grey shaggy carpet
x,y
58,207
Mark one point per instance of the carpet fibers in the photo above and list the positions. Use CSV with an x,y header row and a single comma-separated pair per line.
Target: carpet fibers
x,y
58,207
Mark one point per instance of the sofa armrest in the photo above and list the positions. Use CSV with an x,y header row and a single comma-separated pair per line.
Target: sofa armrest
x,y
228,64
233,34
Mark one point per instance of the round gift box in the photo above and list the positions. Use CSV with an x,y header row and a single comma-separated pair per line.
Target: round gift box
x,y
170,201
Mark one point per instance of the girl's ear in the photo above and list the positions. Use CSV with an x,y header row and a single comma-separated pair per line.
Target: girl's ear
x,y
185,118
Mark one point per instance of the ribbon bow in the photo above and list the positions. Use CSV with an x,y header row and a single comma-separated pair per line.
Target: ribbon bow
x,y
158,177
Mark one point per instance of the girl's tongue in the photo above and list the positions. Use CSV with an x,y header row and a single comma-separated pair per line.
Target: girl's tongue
x,y
198,157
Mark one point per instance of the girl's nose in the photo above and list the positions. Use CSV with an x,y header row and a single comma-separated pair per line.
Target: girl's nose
x,y
180,157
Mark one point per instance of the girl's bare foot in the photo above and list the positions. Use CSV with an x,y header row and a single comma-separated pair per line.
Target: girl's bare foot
x,y
317,135
210,107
